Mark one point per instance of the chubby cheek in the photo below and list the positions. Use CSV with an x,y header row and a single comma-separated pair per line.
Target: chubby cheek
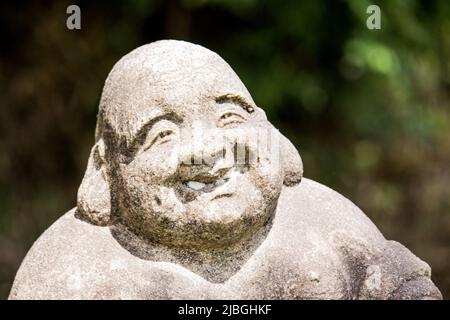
x,y
145,188
145,177
151,167
268,183
267,174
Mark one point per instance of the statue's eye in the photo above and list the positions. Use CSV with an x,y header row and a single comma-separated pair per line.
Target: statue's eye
x,y
164,134
160,138
231,118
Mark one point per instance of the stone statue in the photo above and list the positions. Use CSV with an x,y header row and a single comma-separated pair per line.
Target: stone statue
x,y
191,193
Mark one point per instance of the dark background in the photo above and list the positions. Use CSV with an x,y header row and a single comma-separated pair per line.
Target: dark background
x,y
369,110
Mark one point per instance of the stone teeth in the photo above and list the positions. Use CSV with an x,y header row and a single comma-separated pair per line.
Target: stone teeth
x,y
196,185
218,183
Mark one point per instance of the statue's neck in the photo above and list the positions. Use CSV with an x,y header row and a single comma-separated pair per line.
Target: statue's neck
x,y
214,264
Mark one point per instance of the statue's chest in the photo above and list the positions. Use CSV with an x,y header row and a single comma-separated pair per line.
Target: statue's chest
x,y
304,272
307,268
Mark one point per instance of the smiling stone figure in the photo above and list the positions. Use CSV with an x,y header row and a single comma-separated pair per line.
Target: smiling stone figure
x,y
190,193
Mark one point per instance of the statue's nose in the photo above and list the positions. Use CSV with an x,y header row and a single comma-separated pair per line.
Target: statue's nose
x,y
206,159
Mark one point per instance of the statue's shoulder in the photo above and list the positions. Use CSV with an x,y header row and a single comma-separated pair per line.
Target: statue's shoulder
x,y
62,238
316,208
59,259
74,259
67,236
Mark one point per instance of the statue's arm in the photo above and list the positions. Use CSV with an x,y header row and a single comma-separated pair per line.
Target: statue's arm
x,y
399,275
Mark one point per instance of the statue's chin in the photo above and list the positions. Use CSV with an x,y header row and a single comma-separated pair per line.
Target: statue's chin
x,y
200,231
205,222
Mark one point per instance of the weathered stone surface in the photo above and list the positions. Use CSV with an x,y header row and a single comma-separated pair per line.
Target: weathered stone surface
x,y
182,200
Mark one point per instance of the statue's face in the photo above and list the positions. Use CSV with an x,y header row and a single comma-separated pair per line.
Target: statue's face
x,y
203,168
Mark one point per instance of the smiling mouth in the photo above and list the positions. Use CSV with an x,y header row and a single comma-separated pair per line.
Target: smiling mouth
x,y
189,190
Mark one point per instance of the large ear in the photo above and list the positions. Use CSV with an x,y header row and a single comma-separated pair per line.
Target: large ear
x,y
291,162
94,197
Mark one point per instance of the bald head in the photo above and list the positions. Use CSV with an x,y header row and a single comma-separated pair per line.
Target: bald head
x,y
166,77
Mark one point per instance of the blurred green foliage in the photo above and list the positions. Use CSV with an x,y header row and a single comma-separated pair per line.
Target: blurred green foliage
x,y
369,110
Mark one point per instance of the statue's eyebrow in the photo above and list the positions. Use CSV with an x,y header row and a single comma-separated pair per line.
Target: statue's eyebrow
x,y
141,134
236,99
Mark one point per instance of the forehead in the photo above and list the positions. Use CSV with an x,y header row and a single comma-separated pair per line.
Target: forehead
x,y
146,84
